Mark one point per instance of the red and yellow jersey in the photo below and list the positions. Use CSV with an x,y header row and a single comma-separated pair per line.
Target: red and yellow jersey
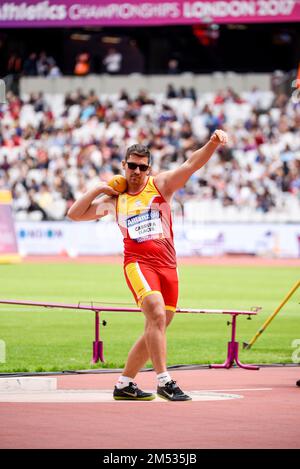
x,y
146,224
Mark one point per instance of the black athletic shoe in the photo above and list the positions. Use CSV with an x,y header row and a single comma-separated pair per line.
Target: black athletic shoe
x,y
298,383
132,393
172,392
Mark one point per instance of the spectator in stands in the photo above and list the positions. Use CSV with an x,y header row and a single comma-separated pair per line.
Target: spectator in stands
x,y
14,64
5,165
173,67
34,206
171,92
182,92
44,197
112,62
14,69
20,198
82,65
30,65
44,63
212,121
54,71
191,93
220,97
124,95
133,61
265,201
38,102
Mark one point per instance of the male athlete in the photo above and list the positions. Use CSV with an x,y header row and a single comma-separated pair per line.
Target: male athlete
x,y
144,217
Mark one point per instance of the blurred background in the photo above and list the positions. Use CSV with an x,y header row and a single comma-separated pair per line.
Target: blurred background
x,y
83,82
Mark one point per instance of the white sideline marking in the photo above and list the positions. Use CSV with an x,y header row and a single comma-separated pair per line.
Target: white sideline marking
x,y
26,384
240,389
98,396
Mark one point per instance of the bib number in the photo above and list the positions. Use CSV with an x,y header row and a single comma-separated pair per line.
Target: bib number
x,y
145,226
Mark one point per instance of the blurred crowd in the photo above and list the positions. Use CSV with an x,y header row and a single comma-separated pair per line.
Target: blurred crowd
x,y
43,64
54,148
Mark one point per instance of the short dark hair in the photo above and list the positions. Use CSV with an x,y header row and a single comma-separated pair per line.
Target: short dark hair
x,y
139,150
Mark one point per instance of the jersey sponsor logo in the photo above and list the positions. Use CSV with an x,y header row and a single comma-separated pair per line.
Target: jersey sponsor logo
x,y
146,216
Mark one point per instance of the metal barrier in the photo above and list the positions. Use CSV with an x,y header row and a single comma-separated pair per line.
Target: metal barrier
x,y
98,355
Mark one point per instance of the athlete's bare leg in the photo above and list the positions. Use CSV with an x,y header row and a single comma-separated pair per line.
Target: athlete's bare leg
x,y
155,328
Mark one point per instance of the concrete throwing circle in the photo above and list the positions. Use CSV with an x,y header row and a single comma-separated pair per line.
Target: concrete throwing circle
x,y
99,396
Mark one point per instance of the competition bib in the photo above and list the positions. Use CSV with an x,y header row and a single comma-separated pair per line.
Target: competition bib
x,y
145,226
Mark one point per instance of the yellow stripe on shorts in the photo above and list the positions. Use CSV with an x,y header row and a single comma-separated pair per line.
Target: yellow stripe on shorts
x,y
171,308
138,281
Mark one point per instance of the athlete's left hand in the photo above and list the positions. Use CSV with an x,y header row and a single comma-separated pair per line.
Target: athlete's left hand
x,y
219,137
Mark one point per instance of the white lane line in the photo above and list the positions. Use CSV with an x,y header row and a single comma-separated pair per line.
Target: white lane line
x,y
238,389
98,396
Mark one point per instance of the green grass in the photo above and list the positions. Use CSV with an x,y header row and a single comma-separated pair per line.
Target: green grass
x,y
40,339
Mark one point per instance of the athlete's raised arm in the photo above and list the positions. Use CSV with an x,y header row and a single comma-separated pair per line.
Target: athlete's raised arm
x,y
170,181
89,207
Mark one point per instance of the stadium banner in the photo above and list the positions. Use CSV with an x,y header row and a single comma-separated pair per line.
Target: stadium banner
x,y
71,239
8,238
38,13
209,239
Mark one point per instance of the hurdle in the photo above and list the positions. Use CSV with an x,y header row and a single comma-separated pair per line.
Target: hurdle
x,y
98,346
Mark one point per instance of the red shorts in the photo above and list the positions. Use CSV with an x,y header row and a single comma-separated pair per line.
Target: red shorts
x,y
143,280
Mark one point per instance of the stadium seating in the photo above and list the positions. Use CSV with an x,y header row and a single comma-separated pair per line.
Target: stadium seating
x,y
55,147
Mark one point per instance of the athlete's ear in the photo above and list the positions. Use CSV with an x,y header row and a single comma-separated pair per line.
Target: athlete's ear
x,y
123,164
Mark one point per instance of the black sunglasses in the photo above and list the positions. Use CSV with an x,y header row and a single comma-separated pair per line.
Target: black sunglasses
x,y
133,166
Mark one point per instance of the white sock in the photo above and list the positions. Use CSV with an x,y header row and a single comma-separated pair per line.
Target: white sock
x,y
123,381
163,378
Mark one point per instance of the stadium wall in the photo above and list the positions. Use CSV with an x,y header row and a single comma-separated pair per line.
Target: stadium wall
x,y
209,239
107,84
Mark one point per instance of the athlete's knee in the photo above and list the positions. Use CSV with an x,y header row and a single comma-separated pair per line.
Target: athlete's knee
x,y
155,312
156,321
